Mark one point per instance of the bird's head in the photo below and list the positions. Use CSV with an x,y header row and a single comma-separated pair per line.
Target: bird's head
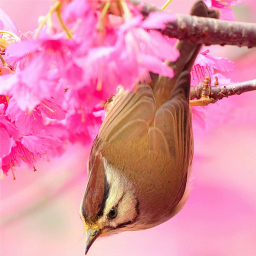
x,y
109,204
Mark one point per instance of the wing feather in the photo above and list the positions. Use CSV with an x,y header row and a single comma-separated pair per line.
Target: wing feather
x,y
130,130
133,109
157,141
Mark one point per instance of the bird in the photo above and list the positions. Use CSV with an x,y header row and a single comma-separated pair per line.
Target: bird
x,y
140,161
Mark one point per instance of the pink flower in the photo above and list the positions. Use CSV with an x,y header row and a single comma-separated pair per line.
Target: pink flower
x,y
6,23
198,118
83,127
5,71
222,80
205,65
3,104
8,134
149,49
126,55
39,144
6,142
27,35
224,6
17,148
46,56
85,30
32,121
9,127
28,150
14,158
23,136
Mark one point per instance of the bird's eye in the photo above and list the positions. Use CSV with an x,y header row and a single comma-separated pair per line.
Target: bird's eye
x,y
112,213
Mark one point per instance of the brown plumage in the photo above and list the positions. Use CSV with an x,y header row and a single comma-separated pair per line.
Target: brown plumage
x,y
151,149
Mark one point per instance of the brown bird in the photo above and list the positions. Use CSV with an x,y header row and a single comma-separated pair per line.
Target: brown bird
x,y
140,161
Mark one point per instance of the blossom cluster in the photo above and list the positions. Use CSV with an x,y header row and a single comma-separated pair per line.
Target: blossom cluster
x,y
53,80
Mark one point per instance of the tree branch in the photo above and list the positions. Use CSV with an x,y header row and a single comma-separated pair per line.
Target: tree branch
x,y
218,92
206,31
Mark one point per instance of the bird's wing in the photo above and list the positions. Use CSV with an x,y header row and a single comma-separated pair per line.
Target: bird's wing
x,y
171,130
171,133
133,115
130,116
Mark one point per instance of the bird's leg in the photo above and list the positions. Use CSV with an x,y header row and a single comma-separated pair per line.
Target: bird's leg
x,y
205,94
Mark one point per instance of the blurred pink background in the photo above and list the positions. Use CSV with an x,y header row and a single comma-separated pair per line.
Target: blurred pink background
x,y
40,217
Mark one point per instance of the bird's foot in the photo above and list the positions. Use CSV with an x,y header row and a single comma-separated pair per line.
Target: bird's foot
x,y
205,94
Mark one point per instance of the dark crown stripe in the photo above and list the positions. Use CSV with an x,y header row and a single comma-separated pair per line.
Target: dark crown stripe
x,y
96,191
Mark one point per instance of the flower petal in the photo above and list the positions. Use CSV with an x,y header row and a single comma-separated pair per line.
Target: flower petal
x,y
157,20
6,23
18,50
36,144
52,110
5,145
155,65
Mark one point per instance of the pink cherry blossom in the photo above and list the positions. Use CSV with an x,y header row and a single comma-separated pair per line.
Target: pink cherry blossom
x,y
8,135
6,23
225,7
86,27
48,53
6,143
5,71
9,127
23,137
39,144
3,103
149,47
134,51
205,65
18,153
28,148
83,127
32,121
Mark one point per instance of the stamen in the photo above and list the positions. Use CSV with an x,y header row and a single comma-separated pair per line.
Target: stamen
x,y
25,154
100,26
216,83
99,82
11,34
1,174
127,14
14,178
46,106
166,4
49,14
83,115
61,21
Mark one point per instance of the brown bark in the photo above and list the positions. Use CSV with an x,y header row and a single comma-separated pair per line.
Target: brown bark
x,y
219,92
207,31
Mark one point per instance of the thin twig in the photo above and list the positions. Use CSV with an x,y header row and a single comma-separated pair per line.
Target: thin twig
x,y
48,16
206,31
219,92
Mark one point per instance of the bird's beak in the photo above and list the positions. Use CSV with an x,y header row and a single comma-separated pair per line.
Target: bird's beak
x,y
91,236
